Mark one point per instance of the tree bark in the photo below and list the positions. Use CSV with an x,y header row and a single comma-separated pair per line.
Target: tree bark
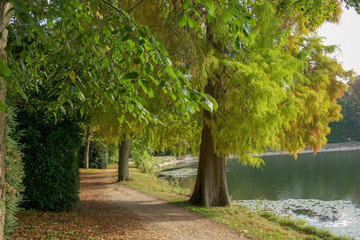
x,y
87,148
211,183
5,16
123,165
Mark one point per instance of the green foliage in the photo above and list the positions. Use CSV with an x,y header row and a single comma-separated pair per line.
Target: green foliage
x,y
50,162
143,160
315,98
98,155
112,150
349,125
96,55
353,3
13,172
142,157
254,64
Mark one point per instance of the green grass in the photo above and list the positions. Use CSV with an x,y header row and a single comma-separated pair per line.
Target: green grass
x,y
253,225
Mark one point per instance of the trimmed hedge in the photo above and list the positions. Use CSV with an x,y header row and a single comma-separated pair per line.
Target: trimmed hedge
x,y
98,155
50,162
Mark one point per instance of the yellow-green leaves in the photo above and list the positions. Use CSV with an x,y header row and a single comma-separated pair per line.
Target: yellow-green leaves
x,y
182,20
186,4
4,69
2,107
225,16
193,24
208,105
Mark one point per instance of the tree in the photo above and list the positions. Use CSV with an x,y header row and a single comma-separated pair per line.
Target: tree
x,y
87,147
353,3
355,99
250,59
123,164
251,71
348,126
5,18
136,59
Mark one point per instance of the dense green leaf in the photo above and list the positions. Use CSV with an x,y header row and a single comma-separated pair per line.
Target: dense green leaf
x,y
186,4
207,104
211,7
193,24
131,75
4,69
182,20
225,16
136,61
2,107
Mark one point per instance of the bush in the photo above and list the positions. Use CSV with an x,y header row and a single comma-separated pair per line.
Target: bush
x,y
50,162
98,155
143,160
13,173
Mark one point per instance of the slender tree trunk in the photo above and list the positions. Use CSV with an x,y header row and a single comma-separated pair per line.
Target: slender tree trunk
x,y
87,148
211,184
123,165
4,21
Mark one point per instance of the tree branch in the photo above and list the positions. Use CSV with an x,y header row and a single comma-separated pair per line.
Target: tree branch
x,y
128,11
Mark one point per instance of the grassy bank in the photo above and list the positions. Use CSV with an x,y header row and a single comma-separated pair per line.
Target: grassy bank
x,y
252,224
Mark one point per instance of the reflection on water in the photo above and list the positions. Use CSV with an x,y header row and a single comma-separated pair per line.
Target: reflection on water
x,y
329,177
326,176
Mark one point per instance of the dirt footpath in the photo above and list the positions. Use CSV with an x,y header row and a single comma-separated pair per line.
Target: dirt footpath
x,y
136,215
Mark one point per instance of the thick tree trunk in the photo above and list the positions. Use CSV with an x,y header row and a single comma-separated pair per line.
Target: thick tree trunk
x,y
211,184
123,167
4,21
87,148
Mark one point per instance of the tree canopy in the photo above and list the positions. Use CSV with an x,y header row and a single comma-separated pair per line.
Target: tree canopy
x,y
233,77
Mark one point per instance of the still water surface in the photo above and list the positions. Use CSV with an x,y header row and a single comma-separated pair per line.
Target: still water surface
x,y
323,189
325,176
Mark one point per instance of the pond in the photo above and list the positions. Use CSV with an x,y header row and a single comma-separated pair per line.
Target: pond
x,y
323,189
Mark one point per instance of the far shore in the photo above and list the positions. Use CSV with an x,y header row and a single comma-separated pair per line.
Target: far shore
x,y
332,147
336,149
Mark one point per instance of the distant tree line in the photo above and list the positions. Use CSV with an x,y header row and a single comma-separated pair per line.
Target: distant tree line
x,y
348,128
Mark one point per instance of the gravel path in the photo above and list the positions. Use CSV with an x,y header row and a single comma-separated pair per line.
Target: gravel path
x,y
152,218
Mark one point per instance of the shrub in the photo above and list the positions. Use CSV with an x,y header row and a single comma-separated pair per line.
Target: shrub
x,y
143,160
98,155
50,163
13,172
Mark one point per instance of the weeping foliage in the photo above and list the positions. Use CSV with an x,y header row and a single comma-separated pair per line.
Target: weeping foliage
x,y
275,87
316,99
253,79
